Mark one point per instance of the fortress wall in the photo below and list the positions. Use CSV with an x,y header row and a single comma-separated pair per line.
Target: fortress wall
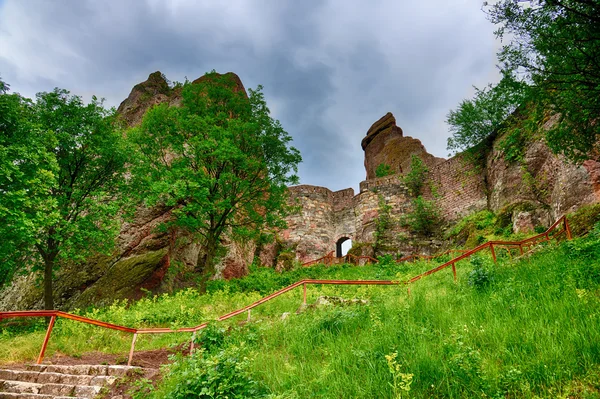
x,y
372,184
311,229
458,186
343,199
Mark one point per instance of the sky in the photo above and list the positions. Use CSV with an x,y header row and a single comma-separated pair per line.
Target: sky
x,y
330,68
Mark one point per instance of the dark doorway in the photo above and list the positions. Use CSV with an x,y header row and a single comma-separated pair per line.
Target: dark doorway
x,y
342,250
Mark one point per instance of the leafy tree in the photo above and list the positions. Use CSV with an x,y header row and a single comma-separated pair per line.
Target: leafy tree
x,y
26,176
383,169
4,87
425,217
219,161
64,161
555,44
415,178
554,47
476,119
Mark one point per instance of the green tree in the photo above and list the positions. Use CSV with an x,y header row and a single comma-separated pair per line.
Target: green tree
x,y
553,53
26,176
416,177
220,162
64,162
555,44
476,119
425,217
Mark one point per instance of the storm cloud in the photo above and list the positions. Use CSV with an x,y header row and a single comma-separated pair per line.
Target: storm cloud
x,y
329,68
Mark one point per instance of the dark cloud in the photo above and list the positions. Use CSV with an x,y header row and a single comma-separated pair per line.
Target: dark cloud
x,y
329,68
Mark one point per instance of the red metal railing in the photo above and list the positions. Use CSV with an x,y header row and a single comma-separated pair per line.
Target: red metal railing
x,y
508,245
53,314
329,259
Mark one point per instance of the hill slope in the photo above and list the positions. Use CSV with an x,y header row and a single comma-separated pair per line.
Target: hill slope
x,y
522,328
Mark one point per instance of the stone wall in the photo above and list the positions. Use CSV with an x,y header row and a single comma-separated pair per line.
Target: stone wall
x,y
458,187
323,216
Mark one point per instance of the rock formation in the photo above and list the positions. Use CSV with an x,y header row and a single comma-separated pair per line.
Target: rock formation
x,y
385,144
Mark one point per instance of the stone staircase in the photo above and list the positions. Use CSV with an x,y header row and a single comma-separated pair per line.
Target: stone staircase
x,y
60,382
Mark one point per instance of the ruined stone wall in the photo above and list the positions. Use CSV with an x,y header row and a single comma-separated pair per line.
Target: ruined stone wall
x,y
310,229
323,216
458,187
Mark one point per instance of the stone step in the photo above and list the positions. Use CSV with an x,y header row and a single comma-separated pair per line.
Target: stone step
x,y
84,391
56,378
12,395
41,381
102,370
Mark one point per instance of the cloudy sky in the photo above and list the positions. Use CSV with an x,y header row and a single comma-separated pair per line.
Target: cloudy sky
x,y
329,68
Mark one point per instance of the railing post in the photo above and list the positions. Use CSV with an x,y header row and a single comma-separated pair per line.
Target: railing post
x,y
132,348
248,315
304,292
493,252
408,289
454,270
568,229
46,339
192,343
521,248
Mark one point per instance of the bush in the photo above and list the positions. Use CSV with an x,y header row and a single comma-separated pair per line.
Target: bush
x,y
482,275
415,179
584,219
211,338
425,218
221,375
383,170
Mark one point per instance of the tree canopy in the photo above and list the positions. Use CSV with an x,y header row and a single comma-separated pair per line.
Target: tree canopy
x,y
219,161
552,46
475,119
62,161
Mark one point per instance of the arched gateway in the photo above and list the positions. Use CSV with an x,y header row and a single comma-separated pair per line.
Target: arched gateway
x,y
338,245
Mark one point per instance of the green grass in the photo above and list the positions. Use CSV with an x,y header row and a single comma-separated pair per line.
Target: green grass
x,y
526,328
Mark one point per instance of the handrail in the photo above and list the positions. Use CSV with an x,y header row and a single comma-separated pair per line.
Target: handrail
x,y
53,314
329,259
545,236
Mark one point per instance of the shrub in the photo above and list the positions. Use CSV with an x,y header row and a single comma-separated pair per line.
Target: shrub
x,y
415,179
482,275
211,338
221,375
425,218
584,218
383,170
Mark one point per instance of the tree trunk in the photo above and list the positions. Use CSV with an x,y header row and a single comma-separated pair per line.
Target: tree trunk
x,y
206,263
48,291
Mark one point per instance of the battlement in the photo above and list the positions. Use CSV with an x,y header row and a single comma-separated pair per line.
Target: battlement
x,y
392,180
306,190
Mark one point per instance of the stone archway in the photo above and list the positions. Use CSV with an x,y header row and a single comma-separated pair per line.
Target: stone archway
x,y
338,244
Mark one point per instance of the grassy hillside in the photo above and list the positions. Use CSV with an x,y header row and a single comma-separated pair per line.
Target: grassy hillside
x,y
519,328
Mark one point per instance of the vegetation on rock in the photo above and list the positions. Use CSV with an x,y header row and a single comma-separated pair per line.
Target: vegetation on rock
x,y
383,170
